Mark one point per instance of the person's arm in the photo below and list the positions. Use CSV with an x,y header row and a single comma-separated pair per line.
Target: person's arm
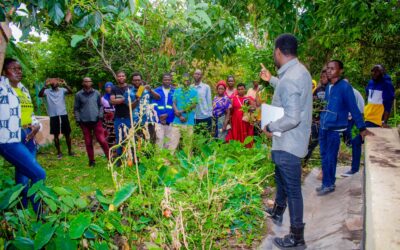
x,y
227,118
292,109
100,105
388,98
209,101
41,92
77,108
68,88
153,94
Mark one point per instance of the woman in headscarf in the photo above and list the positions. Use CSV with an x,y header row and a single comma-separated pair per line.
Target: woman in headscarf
x,y
241,105
18,129
108,120
221,110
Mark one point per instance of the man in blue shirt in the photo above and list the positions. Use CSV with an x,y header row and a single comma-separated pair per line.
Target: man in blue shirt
x,y
204,105
142,111
340,100
185,100
165,111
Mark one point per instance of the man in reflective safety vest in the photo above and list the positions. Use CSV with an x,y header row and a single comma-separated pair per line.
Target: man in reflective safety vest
x,y
165,111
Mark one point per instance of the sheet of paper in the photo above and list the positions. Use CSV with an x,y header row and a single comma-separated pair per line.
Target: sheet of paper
x,y
270,114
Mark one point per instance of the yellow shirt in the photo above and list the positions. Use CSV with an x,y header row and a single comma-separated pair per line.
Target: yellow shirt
x,y
26,107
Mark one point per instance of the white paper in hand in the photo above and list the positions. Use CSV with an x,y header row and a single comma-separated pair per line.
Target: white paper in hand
x,y
270,114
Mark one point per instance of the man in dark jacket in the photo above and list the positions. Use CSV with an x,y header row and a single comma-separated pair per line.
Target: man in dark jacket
x,y
88,114
340,101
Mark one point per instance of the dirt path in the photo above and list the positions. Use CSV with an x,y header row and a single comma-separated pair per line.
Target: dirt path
x,y
333,221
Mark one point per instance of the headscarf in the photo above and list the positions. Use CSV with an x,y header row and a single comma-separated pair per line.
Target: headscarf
x,y
221,83
108,95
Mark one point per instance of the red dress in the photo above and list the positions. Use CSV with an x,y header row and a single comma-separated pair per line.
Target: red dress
x,y
239,128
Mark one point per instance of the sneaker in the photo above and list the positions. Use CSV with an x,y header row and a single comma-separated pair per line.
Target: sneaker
x,y
322,186
59,156
325,190
348,173
92,163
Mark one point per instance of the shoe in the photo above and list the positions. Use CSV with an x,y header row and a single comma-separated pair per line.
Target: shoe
x,y
348,174
322,186
294,240
326,190
59,156
92,163
276,214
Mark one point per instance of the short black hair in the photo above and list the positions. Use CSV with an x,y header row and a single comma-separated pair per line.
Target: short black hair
x,y
287,44
7,62
166,74
137,74
241,85
339,63
230,76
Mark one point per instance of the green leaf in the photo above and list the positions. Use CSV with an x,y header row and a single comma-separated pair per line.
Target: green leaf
x,y
56,13
101,198
50,203
96,21
248,140
89,234
63,241
61,191
43,235
78,225
16,192
96,228
83,22
23,243
35,187
152,246
101,246
76,39
132,6
81,203
124,193
204,17
68,200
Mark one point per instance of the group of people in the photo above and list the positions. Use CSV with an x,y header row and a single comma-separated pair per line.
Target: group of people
x,y
338,108
168,111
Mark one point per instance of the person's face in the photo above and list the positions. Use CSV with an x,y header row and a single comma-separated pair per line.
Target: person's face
x,y
333,71
221,90
14,72
277,57
231,82
241,91
376,73
108,90
324,78
121,78
166,81
136,81
197,75
87,82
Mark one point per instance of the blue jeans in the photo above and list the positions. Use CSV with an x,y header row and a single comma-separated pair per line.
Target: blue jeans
x,y
120,123
288,185
23,156
329,142
356,144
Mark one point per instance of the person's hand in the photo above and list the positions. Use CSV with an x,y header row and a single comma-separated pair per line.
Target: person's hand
x,y
268,134
33,133
264,73
178,113
182,119
147,87
163,118
385,125
365,133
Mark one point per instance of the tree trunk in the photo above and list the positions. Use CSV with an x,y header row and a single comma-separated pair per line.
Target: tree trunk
x,y
5,35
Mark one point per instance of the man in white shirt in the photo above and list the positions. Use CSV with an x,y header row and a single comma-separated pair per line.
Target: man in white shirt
x,y
203,113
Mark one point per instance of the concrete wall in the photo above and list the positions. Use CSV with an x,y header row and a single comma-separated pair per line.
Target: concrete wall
x,y
382,189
